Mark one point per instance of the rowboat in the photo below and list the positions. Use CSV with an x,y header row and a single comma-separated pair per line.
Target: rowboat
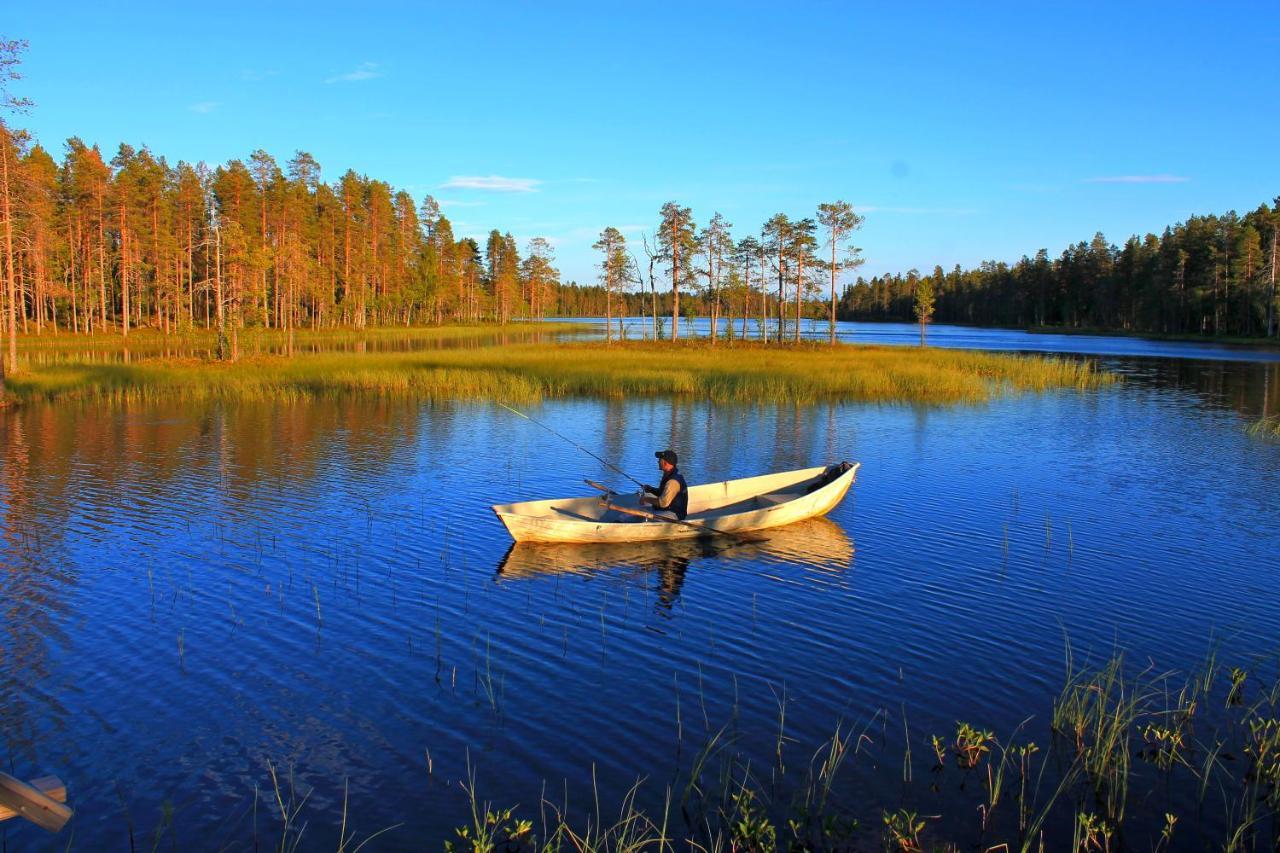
x,y
731,506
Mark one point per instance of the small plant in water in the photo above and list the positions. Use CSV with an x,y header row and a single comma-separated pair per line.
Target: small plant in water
x,y
494,831
750,829
970,745
1166,834
1092,833
939,751
1236,694
1164,744
1263,749
902,831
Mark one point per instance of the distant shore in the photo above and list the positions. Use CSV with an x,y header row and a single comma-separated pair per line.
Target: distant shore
x,y
1259,342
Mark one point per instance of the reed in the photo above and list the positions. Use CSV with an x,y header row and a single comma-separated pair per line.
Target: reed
x,y
1265,427
713,802
741,373
254,339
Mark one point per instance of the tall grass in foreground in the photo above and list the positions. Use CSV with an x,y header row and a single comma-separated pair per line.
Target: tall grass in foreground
x,y
738,373
1130,760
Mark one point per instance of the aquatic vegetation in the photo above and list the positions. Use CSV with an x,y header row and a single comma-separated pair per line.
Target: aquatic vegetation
x,y
714,801
902,830
1097,713
739,373
1265,427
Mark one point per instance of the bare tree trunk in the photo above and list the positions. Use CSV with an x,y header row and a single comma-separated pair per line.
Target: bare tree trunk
x,y
782,298
217,294
764,299
833,289
10,273
124,271
1271,302
675,282
799,287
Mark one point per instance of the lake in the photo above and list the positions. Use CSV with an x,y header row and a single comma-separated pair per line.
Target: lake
x,y
197,595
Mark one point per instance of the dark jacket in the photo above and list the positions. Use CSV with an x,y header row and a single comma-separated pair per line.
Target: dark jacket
x,y
680,503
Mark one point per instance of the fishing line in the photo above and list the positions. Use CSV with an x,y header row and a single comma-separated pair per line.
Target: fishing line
x,y
603,462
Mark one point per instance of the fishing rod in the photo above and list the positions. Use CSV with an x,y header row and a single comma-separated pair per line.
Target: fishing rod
x,y
603,462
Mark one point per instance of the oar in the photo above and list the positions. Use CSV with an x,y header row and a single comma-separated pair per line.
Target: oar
x,y
639,513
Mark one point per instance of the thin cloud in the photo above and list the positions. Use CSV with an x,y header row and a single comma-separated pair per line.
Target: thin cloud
x,y
491,183
456,202
1138,179
203,107
366,71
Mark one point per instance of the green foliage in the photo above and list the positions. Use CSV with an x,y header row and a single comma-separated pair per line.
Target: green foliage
x,y
923,308
750,829
1210,275
491,832
902,830
971,745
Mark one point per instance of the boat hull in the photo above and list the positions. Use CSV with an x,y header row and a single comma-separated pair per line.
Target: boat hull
x,y
751,503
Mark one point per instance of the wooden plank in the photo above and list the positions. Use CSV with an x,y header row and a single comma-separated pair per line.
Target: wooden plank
x,y
40,802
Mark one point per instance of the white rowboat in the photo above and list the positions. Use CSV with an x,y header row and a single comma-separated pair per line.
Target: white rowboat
x,y
733,506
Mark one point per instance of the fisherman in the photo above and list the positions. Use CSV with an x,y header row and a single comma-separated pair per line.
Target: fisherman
x,y
670,498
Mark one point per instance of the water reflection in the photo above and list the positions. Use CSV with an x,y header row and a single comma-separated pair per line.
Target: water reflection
x,y
819,544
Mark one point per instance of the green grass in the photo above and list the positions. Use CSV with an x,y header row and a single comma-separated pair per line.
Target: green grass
x,y
728,373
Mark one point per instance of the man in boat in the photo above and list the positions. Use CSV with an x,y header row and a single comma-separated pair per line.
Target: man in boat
x,y
670,498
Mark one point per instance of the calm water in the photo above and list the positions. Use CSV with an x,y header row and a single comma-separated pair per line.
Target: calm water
x,y
194,594
960,337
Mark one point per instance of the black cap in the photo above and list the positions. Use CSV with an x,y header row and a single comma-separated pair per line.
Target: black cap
x,y
667,456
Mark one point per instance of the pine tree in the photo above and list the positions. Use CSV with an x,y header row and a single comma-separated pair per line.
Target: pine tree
x,y
677,244
840,222
613,270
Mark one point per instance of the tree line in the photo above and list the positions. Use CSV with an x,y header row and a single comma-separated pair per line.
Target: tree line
x,y
1211,275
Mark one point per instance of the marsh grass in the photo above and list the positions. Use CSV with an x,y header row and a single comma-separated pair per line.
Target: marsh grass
x,y
739,373
255,339
1265,427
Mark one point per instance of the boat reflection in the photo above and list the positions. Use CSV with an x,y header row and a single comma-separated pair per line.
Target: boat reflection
x,y
817,544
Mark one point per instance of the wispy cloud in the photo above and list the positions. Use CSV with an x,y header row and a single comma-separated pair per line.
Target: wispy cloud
x,y
203,107
457,202
1138,179
366,71
491,183
928,211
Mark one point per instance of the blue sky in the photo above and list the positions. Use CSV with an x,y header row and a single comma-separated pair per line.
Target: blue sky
x,y
962,133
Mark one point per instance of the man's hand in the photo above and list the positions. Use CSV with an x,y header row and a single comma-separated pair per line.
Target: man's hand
x,y
653,490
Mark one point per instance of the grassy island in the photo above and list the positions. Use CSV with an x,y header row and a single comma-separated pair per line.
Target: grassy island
x,y
460,364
